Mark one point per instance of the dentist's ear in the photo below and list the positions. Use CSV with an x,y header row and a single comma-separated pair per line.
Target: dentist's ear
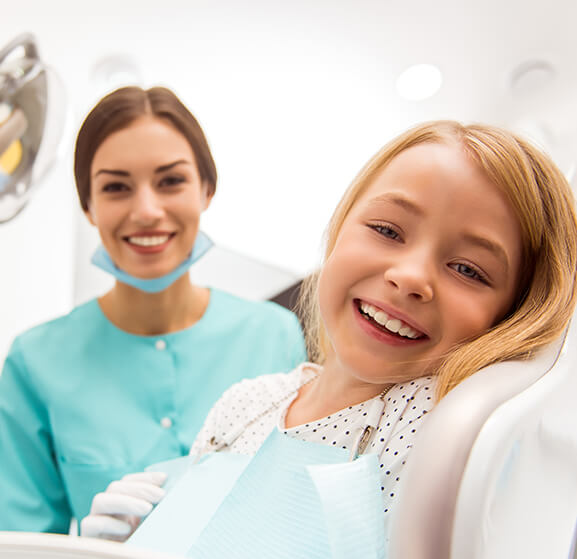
x,y
90,215
206,197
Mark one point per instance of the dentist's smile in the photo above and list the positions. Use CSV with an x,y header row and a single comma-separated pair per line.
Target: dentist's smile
x,y
149,242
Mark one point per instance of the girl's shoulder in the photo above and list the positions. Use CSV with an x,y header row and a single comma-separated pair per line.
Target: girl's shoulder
x,y
406,405
412,399
245,402
264,389
419,390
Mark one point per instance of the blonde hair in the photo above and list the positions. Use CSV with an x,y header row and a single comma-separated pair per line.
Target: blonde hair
x,y
543,203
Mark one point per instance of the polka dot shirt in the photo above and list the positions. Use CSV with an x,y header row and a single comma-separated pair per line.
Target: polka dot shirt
x,y
251,402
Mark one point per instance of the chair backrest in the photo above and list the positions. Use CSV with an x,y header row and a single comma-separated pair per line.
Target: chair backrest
x,y
488,473
24,545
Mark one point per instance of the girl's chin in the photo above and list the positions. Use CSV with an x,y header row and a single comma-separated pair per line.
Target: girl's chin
x,y
389,372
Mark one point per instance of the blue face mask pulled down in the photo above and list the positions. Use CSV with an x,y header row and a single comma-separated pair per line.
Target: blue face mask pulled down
x,y
102,260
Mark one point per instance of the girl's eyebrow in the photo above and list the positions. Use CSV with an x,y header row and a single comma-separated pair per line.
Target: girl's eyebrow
x,y
400,200
491,246
406,203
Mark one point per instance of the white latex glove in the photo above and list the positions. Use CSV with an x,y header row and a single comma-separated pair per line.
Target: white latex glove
x,y
117,512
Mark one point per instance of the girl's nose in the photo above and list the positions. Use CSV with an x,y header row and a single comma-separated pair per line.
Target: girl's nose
x,y
411,277
147,207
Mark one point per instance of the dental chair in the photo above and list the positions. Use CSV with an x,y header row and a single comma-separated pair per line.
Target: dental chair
x,y
493,472
23,545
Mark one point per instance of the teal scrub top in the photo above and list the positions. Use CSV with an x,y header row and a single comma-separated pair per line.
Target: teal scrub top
x,y
83,403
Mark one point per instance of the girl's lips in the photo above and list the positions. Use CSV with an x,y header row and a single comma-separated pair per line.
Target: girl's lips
x,y
394,314
381,334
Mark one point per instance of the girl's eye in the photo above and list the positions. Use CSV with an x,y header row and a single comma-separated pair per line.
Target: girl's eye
x,y
114,187
469,272
171,180
386,231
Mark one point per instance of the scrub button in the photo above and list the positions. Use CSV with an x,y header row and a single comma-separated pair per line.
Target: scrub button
x,y
166,422
160,344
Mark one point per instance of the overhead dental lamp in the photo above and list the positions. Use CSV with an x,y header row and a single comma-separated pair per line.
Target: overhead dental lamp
x,y
32,111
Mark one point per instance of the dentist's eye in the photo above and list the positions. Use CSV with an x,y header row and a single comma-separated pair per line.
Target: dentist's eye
x,y
171,180
386,231
114,187
469,272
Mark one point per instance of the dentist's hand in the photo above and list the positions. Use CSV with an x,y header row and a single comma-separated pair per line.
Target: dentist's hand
x,y
117,512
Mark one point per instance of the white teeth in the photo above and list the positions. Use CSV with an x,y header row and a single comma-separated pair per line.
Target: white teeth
x,y
408,332
148,241
404,331
368,309
391,324
381,318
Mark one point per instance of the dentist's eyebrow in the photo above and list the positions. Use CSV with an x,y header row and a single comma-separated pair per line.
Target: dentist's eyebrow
x,y
168,166
115,172
161,169
399,200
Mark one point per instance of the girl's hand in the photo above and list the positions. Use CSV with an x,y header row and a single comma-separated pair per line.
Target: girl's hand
x,y
117,512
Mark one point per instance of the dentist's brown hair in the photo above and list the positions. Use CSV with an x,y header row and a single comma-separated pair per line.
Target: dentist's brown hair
x,y
544,205
120,109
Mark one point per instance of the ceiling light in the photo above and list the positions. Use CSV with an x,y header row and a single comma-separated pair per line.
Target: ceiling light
x,y
115,71
532,76
419,82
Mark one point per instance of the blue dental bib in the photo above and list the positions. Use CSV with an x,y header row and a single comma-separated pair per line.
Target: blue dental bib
x,y
293,500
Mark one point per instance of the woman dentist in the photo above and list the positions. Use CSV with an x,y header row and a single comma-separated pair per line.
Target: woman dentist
x,y
126,380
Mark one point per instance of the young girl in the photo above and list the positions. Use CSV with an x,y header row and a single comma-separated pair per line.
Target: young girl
x,y
454,248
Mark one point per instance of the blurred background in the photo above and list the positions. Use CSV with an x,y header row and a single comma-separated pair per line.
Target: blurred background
x,y
294,97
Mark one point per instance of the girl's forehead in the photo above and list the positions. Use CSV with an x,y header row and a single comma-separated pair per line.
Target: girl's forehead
x,y
438,184
428,169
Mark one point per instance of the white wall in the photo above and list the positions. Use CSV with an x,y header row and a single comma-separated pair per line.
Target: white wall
x,y
37,249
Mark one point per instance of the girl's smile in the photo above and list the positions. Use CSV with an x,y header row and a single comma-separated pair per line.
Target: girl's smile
x,y
386,325
427,258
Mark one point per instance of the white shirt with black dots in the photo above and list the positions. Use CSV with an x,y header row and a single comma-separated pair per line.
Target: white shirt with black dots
x,y
406,405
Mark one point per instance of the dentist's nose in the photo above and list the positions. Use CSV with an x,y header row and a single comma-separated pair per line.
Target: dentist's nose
x,y
411,277
147,208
